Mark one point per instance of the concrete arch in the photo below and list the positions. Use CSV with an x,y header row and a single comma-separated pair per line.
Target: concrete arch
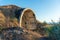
x,y
28,12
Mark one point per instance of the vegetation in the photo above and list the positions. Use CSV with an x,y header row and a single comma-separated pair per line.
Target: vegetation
x,y
53,31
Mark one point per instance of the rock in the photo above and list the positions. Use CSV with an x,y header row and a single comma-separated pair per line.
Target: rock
x,y
13,33
17,33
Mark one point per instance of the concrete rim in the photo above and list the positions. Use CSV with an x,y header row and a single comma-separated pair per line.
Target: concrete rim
x,y
23,14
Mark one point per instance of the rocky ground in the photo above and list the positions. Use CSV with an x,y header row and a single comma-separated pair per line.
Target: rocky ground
x,y
17,33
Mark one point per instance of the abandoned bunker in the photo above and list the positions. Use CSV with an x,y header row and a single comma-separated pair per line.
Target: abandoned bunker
x,y
13,16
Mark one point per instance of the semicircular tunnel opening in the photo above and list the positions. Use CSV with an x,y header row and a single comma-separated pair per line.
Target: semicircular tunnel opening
x,y
28,20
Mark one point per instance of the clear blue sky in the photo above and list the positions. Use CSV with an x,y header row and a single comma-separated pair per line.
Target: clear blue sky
x,y
45,10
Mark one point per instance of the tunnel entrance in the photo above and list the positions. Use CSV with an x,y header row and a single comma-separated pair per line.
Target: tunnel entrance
x,y
28,20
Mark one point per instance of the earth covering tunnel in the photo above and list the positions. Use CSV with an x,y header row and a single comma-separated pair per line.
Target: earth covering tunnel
x,y
14,16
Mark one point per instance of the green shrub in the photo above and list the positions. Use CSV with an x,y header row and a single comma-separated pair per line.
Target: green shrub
x,y
54,31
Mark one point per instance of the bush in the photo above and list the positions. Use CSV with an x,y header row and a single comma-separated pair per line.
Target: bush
x,y
54,31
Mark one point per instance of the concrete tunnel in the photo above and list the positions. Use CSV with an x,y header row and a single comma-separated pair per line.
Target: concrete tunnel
x,y
26,17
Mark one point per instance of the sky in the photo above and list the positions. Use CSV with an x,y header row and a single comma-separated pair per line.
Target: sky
x,y
45,10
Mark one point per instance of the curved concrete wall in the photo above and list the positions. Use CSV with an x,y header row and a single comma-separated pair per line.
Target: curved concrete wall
x,y
27,19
